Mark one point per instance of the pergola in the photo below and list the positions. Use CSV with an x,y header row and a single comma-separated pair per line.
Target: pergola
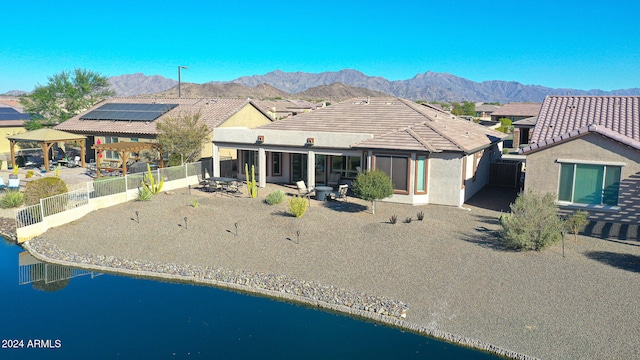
x,y
46,138
124,149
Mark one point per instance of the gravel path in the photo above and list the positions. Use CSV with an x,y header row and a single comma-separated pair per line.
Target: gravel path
x,y
448,272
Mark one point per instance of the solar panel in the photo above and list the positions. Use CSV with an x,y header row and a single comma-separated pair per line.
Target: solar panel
x,y
128,112
7,113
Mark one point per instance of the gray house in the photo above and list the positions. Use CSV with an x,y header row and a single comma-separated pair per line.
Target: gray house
x,y
586,149
431,156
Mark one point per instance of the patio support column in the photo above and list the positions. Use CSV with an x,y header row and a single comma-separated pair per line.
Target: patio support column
x,y
215,157
13,153
262,165
311,168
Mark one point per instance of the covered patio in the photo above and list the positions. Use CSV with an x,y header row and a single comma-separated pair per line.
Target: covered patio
x,y
124,150
46,138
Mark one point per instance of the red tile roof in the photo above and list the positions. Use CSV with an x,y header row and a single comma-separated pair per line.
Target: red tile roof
x,y
214,112
565,117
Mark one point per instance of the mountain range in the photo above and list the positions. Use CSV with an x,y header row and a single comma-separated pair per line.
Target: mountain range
x,y
348,83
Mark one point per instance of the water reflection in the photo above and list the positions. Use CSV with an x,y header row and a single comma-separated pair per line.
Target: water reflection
x,y
47,277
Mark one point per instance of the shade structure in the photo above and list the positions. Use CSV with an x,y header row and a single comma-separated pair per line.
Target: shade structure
x,y
46,138
124,149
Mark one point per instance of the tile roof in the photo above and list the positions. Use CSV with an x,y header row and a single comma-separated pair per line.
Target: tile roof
x,y
561,114
214,112
593,128
488,108
518,109
530,121
394,123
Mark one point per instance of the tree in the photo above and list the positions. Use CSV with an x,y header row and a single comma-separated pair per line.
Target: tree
x,y
466,108
65,95
533,223
183,135
505,125
373,185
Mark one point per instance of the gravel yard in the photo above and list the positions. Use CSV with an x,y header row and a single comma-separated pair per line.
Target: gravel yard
x,y
449,269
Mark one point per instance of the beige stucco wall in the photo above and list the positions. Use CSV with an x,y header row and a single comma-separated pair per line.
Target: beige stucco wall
x,y
445,179
247,117
5,147
543,171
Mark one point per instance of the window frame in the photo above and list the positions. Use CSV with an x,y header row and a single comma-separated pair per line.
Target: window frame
x,y
407,174
425,174
567,191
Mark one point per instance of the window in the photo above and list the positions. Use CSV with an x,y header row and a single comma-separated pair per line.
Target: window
x,y
346,166
421,175
397,167
589,184
109,154
251,158
276,163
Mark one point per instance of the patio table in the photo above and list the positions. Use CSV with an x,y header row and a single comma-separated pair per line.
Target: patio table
x,y
322,192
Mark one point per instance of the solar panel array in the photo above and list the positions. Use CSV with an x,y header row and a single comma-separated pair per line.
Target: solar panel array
x,y
128,112
7,113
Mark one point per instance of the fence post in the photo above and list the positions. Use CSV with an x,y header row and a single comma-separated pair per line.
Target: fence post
x,y
44,223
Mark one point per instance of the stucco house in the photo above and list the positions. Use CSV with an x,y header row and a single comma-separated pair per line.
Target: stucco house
x,y
586,149
516,111
431,156
132,119
11,123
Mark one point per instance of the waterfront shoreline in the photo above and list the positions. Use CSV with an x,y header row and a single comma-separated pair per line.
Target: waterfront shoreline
x,y
450,269
392,318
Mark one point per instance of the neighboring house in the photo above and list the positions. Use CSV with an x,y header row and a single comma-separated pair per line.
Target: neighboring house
x,y
11,123
134,119
484,111
522,131
586,149
282,109
516,111
431,156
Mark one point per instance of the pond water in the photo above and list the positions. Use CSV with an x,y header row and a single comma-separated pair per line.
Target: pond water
x,y
97,316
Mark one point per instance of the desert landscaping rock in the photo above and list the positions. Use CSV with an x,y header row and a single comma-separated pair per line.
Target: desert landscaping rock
x,y
448,274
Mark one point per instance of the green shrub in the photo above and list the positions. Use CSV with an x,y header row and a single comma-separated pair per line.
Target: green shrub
x,y
275,197
144,194
297,206
533,223
43,188
12,199
576,222
373,185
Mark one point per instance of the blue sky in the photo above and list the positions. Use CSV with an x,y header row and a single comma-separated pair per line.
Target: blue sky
x,y
555,43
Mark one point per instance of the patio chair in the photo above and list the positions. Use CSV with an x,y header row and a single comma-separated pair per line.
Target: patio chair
x,y
303,190
3,186
341,194
14,184
334,179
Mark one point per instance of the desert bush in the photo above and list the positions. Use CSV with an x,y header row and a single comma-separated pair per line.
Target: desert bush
x,y
43,188
275,197
408,220
144,194
533,223
576,222
393,219
297,206
12,199
420,215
